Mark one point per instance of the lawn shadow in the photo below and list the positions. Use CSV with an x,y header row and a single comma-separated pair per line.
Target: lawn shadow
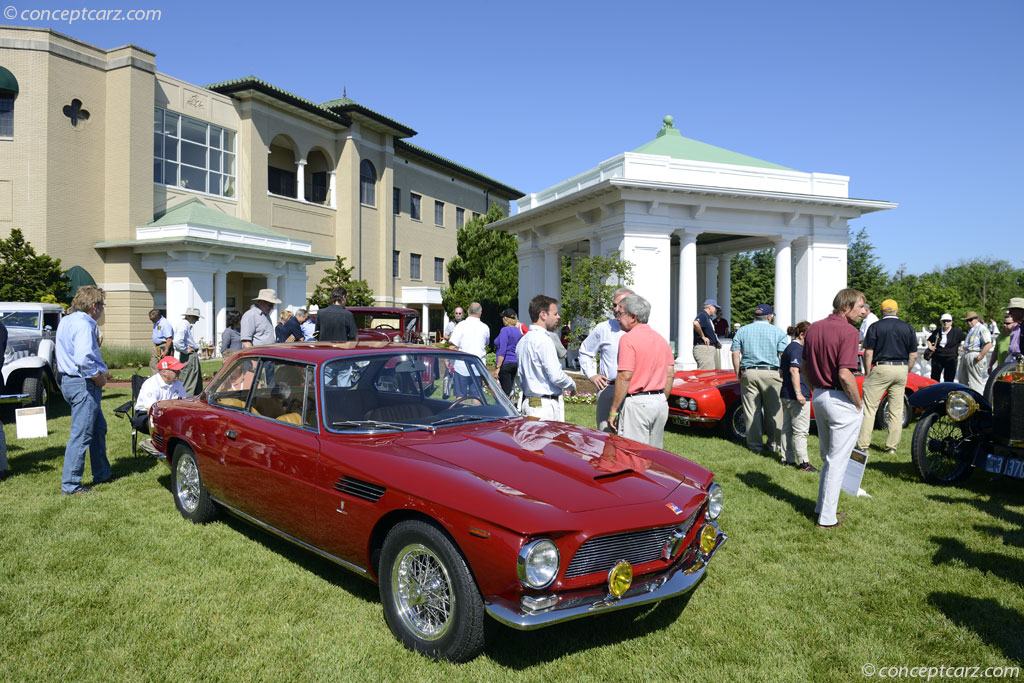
x,y
520,650
993,507
760,481
902,471
330,572
998,626
23,460
951,549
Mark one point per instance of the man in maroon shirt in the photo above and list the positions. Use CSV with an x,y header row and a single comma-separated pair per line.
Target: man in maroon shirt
x,y
830,357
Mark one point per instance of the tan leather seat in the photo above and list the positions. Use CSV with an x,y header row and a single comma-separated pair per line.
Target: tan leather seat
x,y
233,402
291,418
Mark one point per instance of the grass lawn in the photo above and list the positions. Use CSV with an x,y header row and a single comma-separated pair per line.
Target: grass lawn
x,y
116,585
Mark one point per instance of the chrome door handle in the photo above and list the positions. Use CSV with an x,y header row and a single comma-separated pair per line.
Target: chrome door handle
x,y
231,434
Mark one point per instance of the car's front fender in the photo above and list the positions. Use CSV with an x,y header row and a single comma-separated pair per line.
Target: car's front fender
x,y
937,393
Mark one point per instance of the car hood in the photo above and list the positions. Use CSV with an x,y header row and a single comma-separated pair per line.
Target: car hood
x,y
20,333
571,468
699,380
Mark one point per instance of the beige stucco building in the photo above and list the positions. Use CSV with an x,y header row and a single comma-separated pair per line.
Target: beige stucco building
x,y
174,195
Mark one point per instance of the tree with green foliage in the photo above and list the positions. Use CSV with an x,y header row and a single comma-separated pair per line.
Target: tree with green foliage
x,y
864,272
752,277
587,288
485,269
27,276
359,292
983,284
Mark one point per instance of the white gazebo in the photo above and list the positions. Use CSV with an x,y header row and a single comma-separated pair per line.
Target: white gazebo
x,y
679,209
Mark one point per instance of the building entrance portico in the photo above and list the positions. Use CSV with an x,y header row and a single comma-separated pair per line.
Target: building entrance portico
x,y
678,210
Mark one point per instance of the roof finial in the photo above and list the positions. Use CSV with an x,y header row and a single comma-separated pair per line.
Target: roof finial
x,y
668,121
344,91
667,126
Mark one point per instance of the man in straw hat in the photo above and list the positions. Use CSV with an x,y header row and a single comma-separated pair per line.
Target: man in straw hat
x,y
256,328
184,339
973,368
890,346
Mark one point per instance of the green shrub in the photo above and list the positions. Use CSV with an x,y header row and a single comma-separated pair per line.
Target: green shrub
x,y
125,356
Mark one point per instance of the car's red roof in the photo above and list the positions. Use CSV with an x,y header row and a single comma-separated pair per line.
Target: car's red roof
x,y
312,352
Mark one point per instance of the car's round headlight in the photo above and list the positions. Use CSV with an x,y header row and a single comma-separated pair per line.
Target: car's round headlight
x,y
693,404
537,565
715,500
960,405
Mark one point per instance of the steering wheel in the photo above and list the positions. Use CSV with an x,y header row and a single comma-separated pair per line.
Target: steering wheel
x,y
385,327
463,399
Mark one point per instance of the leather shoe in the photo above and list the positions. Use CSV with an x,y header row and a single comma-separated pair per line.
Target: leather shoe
x,y
829,527
79,490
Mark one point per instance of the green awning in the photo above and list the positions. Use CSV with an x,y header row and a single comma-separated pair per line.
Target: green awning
x,y
78,276
8,83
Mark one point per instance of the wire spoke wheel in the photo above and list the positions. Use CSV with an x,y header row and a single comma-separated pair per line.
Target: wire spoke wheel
x,y
187,483
938,448
423,592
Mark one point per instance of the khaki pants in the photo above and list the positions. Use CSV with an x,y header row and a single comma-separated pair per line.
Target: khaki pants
x,y
760,391
154,358
882,379
604,405
643,418
796,422
972,374
549,408
707,357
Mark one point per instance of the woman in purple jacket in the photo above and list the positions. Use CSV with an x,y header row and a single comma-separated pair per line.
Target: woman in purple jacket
x,y
505,361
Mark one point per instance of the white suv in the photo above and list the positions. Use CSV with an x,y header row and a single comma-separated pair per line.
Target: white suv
x,y
30,361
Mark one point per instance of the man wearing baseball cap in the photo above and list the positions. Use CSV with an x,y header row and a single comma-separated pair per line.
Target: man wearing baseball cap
x,y
163,385
973,368
944,343
890,349
755,358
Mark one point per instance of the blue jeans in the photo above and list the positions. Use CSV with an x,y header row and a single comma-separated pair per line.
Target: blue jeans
x,y
88,431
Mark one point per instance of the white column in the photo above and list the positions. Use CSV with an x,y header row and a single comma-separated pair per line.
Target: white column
x,y
191,288
783,282
595,245
425,324
687,300
725,285
272,283
330,191
710,278
219,306
300,181
552,274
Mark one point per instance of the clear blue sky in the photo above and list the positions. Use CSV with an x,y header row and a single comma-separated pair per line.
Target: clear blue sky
x,y
919,103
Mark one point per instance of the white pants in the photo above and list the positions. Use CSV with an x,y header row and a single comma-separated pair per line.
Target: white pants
x,y
549,408
604,405
838,426
643,418
972,374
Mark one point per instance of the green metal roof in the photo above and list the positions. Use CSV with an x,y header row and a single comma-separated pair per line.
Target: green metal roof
x,y
402,145
8,82
253,83
345,105
195,212
670,143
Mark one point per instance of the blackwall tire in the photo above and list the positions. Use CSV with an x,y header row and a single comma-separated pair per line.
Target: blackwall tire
x,y
935,449
190,495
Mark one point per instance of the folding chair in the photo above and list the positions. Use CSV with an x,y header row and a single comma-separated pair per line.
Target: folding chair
x,y
127,409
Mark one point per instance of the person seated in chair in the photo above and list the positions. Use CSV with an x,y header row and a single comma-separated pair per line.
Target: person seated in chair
x,y
163,385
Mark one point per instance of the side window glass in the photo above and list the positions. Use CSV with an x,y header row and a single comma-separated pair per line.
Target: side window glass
x,y
50,321
309,404
232,388
280,391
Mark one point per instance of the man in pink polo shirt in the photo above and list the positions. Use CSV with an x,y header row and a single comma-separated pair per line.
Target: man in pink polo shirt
x,y
830,357
644,380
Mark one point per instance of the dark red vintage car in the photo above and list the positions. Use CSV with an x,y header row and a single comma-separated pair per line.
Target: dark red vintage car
x,y
387,324
709,399
457,506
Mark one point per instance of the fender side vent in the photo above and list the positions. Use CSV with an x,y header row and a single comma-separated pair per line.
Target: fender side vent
x,y
359,489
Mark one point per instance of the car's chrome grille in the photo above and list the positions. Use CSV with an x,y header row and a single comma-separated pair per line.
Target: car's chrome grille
x,y
636,547
360,489
158,440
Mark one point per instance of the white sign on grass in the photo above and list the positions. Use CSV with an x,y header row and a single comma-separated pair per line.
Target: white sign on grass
x,y
855,473
31,422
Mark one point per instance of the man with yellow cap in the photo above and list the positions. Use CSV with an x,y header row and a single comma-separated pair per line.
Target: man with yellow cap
x,y
890,349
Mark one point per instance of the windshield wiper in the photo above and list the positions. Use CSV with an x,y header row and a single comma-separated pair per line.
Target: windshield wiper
x,y
379,424
462,418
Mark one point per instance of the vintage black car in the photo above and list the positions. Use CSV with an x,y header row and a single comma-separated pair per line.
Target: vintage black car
x,y
963,430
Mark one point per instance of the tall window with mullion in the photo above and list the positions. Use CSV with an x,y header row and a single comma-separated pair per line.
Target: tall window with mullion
x,y
438,269
414,266
6,114
192,154
367,183
438,214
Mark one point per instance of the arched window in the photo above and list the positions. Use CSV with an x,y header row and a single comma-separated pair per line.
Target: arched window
x,y
367,183
8,93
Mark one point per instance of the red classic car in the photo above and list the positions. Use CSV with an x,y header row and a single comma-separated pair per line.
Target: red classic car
x,y
710,398
457,506
387,324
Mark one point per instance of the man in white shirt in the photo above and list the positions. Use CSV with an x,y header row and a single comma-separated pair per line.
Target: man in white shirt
x,y
184,339
869,320
472,336
540,373
163,385
449,329
604,339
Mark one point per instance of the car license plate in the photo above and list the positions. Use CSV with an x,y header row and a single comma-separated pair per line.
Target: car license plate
x,y
680,421
1011,467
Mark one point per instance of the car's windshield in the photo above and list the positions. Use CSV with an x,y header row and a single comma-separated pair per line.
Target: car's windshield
x,y
410,391
24,319
379,321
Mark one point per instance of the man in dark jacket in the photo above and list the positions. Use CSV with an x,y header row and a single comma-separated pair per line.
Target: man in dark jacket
x,y
334,322
943,343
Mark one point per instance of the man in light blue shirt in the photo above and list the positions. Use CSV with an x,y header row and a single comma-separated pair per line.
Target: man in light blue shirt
x,y
184,340
83,375
163,338
755,358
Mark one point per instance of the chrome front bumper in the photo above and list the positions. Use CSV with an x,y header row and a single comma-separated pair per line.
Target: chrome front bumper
x,y
679,579
20,399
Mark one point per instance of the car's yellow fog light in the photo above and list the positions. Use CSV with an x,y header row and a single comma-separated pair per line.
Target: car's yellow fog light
x,y
620,578
707,538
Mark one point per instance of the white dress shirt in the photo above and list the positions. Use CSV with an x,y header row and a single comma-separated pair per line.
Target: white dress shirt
x,y
472,336
183,338
539,370
603,339
155,389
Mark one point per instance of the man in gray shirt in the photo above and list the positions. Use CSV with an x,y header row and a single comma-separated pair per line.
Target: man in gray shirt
x,y
256,327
